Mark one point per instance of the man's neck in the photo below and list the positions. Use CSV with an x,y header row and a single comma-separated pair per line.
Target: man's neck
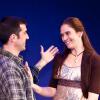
x,y
11,49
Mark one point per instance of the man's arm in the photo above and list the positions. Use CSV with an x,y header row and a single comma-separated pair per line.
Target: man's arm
x,y
46,57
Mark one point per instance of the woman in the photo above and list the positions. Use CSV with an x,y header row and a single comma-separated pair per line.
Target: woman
x,y
76,72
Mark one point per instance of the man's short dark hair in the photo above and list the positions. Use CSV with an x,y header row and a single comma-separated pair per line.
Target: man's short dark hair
x,y
10,25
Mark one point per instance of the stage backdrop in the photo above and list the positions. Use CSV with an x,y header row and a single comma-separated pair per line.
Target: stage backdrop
x,y
44,18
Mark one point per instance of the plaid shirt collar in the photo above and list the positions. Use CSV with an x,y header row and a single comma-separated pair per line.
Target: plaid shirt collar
x,y
18,60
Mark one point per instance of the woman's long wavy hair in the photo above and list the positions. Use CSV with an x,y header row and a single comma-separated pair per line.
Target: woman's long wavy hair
x,y
77,25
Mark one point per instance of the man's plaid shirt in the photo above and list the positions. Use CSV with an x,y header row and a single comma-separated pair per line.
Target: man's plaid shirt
x,y
14,82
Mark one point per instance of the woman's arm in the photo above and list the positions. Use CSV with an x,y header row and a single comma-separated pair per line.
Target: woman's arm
x,y
91,96
44,91
94,86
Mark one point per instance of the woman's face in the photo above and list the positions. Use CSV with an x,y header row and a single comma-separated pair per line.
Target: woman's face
x,y
69,36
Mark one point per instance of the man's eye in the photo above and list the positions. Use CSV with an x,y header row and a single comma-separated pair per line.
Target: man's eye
x,y
25,32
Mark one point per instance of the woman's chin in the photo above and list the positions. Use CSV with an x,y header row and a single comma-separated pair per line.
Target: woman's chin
x,y
69,46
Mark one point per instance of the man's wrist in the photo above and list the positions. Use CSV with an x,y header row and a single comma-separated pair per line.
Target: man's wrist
x,y
36,69
41,64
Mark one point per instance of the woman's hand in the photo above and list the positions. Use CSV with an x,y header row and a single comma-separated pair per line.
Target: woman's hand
x,y
44,91
28,71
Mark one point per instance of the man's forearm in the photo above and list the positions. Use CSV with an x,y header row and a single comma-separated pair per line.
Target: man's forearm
x,y
41,63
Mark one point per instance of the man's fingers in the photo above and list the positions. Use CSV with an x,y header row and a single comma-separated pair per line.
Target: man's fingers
x,y
54,51
50,48
42,49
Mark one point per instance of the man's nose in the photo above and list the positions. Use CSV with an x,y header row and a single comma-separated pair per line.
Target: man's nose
x,y
27,36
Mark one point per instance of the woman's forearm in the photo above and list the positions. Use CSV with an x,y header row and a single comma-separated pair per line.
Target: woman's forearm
x,y
91,96
44,91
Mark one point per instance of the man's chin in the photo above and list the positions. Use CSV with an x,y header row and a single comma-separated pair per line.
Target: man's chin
x,y
23,49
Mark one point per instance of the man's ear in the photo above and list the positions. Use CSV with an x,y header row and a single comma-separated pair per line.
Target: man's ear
x,y
13,37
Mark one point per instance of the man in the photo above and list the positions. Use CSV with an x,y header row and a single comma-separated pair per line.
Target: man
x,y
14,81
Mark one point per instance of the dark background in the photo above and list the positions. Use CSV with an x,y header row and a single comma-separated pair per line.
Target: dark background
x,y
44,18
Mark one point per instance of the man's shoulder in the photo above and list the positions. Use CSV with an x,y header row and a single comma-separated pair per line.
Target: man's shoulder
x,y
3,60
6,63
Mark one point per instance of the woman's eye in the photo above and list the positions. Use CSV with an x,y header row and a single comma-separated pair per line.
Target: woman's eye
x,y
61,35
67,33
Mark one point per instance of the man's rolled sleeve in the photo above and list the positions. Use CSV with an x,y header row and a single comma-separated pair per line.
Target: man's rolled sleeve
x,y
35,73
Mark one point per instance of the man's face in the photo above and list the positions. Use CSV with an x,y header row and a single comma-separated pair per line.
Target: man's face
x,y
21,40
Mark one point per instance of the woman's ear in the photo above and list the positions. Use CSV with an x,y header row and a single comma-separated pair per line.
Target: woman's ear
x,y
80,34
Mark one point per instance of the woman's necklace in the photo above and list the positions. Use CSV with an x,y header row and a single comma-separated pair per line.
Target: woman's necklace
x,y
76,56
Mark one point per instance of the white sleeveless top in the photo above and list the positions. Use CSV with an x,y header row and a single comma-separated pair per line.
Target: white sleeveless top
x,y
66,92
